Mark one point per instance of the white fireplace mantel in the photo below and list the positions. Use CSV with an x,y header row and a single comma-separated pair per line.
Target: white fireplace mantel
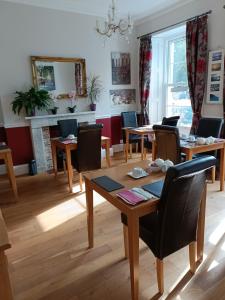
x,y
41,138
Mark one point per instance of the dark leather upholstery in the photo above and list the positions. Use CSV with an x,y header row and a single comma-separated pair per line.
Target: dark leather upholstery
x,y
174,225
129,119
88,154
168,143
67,127
209,127
171,121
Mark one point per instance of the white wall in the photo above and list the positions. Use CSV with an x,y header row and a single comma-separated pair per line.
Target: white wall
x,y
216,31
27,31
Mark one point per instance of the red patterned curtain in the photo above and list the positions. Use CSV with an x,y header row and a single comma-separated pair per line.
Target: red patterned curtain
x,y
197,46
144,76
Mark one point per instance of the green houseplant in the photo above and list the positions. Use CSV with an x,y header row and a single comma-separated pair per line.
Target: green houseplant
x,y
30,100
94,89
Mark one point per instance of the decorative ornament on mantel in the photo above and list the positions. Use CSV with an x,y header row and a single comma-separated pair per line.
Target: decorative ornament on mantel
x,y
115,25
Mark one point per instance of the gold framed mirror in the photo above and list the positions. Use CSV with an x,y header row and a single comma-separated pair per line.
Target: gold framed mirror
x,y
60,75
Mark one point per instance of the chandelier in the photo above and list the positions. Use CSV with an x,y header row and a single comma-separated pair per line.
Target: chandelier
x,y
111,25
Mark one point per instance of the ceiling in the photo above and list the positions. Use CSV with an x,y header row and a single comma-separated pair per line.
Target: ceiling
x,y
137,8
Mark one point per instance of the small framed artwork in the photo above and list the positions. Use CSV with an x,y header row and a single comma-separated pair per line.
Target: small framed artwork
x,y
120,68
122,97
215,77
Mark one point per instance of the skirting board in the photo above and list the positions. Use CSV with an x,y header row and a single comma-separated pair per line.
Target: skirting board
x,y
110,151
18,170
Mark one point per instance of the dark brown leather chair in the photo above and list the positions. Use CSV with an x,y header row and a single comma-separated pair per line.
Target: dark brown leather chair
x,y
129,120
87,157
67,127
174,224
167,143
209,127
171,121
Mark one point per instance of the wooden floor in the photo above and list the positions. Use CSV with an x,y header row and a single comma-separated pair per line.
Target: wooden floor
x,y
49,259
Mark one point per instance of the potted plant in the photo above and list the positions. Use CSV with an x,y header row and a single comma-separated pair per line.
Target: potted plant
x,y
72,109
94,89
30,100
54,110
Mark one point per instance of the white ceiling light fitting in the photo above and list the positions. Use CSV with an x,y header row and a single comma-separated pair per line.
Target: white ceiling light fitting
x,y
114,25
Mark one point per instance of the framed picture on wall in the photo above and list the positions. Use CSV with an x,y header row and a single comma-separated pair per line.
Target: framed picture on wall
x,y
215,77
120,68
122,96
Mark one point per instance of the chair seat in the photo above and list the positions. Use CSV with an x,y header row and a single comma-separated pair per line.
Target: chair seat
x,y
148,229
134,138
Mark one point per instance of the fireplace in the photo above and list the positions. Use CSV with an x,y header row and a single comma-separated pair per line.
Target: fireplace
x,y
40,135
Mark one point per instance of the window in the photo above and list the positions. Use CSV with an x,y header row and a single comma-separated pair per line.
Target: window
x,y
169,84
178,99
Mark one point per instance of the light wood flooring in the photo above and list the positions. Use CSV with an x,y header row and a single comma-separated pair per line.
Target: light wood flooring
x,y
49,259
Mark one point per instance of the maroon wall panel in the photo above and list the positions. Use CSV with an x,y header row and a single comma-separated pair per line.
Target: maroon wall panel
x,y
116,131
19,140
106,130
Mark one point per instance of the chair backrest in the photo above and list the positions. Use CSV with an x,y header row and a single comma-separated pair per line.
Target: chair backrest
x,y
180,203
89,147
167,143
209,127
129,119
67,127
171,121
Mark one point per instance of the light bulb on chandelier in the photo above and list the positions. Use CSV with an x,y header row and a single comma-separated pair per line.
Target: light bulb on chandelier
x,y
111,26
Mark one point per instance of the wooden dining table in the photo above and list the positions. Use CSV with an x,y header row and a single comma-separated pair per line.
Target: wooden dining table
x,y
191,148
6,156
67,146
143,132
133,213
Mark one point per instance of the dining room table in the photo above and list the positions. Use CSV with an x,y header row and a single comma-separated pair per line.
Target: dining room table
x,y
142,131
121,175
192,147
71,144
6,156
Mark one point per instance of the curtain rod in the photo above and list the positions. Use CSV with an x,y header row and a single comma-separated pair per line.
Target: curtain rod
x,y
178,23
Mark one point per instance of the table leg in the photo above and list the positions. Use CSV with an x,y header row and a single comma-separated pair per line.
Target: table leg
x,y
153,150
69,169
107,152
222,168
201,226
133,233
142,147
54,158
189,155
127,144
90,218
11,174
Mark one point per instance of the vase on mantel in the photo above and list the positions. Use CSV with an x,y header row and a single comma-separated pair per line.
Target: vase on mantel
x,y
93,106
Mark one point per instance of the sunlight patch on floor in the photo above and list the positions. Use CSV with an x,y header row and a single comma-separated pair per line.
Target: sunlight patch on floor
x,y
217,233
213,264
65,211
59,214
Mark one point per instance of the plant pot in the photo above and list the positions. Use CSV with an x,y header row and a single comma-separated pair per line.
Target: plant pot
x,y
54,110
93,107
72,109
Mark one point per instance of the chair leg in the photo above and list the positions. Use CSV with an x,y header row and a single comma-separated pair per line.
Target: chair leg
x,y
160,278
81,182
131,150
125,237
136,145
64,167
145,153
213,174
192,257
